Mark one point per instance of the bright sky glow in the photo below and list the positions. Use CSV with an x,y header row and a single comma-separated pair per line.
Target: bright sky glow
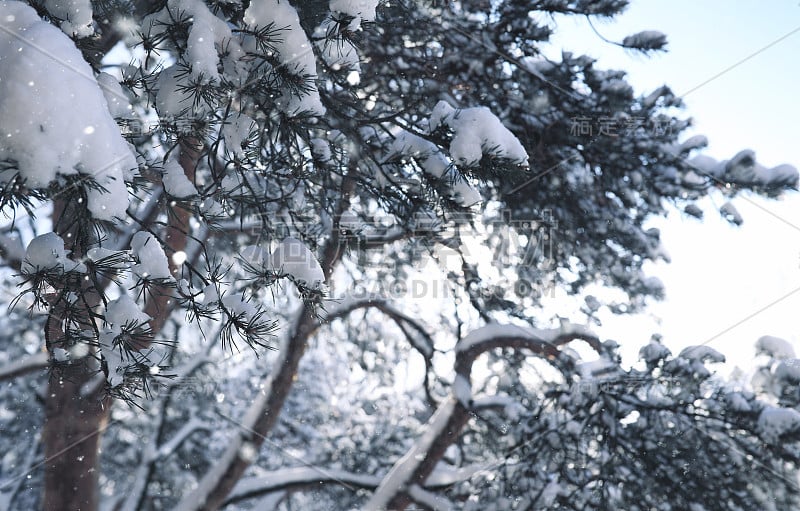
x,y
720,276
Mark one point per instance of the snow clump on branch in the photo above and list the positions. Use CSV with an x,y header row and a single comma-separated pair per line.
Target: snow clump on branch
x,y
44,137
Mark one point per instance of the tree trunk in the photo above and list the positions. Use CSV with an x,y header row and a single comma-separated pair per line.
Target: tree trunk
x,y
76,408
73,419
71,436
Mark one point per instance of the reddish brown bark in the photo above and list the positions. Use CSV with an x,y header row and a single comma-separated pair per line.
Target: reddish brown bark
x,y
72,431
73,419
160,305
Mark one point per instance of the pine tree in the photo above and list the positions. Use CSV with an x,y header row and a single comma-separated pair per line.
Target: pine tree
x,y
227,187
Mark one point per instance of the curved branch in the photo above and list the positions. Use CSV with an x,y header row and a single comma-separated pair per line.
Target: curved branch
x,y
445,426
601,36
424,348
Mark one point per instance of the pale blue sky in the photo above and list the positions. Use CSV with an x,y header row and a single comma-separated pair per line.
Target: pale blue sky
x,y
751,104
720,275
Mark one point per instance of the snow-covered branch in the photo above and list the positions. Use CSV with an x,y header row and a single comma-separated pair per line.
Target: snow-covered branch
x,y
289,479
180,436
445,425
292,478
429,499
422,342
404,472
24,366
540,342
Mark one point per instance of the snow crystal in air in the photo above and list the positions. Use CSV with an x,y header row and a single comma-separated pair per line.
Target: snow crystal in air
x,y
179,257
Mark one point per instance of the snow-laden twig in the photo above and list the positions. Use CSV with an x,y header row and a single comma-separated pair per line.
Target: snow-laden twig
x,y
171,445
423,344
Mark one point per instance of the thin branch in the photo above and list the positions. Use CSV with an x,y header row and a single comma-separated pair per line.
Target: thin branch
x,y
7,498
24,366
152,451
